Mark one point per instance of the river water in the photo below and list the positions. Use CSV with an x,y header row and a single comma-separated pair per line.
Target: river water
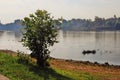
x,y
73,43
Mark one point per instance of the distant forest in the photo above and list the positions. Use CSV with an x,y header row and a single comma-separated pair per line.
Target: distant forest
x,y
99,24
16,26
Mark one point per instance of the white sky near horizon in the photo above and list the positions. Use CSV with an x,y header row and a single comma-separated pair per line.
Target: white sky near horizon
x,y
68,9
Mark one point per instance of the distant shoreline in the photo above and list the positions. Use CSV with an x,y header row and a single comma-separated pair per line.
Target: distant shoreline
x,y
75,30
92,30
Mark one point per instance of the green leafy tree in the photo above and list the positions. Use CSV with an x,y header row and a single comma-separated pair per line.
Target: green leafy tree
x,y
39,34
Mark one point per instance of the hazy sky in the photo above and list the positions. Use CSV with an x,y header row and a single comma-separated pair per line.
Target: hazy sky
x,y
18,9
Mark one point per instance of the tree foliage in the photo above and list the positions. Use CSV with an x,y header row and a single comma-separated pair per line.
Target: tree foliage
x,y
40,34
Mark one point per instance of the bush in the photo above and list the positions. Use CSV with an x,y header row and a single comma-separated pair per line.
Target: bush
x,y
23,58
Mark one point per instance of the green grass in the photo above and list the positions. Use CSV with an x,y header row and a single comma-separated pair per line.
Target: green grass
x,y
14,70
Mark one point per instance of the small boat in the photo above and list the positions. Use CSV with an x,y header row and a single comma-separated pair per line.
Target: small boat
x,y
89,52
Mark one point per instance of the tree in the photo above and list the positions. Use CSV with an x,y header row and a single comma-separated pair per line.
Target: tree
x,y
99,21
39,35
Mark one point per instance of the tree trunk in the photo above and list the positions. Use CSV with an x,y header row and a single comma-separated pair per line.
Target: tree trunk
x,y
40,60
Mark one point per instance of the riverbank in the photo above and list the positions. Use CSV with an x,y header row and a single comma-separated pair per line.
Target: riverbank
x,y
101,71
64,69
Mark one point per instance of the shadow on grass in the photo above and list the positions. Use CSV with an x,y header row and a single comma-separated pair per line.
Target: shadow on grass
x,y
47,73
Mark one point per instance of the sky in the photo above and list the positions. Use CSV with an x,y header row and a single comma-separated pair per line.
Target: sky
x,y
11,10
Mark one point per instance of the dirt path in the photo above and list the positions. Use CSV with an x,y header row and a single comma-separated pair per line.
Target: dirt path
x,y
3,77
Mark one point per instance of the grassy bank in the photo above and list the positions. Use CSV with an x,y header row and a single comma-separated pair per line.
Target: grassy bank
x,y
11,67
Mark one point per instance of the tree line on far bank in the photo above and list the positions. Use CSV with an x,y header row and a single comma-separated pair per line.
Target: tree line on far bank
x,y
99,24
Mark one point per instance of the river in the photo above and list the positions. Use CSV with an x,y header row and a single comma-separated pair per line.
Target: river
x,y
73,43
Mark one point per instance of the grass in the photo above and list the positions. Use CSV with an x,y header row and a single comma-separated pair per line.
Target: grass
x,y
11,67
